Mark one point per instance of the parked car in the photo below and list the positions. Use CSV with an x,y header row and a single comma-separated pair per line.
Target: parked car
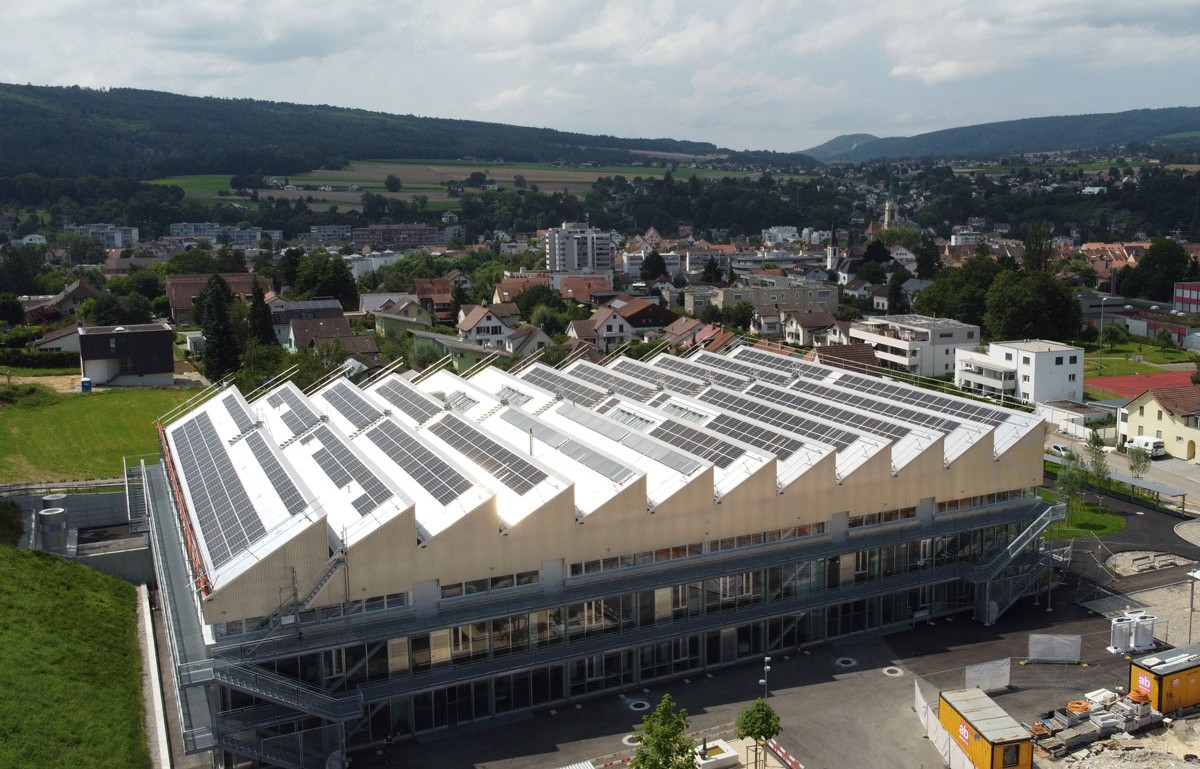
x,y
1061,450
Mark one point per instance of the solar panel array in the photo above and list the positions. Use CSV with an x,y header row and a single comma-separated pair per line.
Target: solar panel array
x,y
614,471
634,440
430,471
351,404
299,416
755,373
888,391
563,386
293,500
409,400
602,377
644,373
822,408
228,521
698,443
240,417
506,466
925,399
342,467
877,406
776,362
793,423
512,396
717,377
782,446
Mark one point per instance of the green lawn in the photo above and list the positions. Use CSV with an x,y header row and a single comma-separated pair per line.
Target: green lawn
x,y
20,371
1084,520
70,674
202,185
55,436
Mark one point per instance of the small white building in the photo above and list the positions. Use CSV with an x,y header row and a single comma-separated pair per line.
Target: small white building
x,y
915,344
1030,371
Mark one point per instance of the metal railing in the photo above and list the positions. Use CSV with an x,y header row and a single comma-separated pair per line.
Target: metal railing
x,y
290,692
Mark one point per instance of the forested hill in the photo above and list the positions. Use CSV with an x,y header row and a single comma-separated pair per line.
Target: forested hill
x,y
150,134
1013,137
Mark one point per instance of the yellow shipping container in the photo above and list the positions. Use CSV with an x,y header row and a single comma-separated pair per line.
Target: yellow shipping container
x,y
1170,679
988,736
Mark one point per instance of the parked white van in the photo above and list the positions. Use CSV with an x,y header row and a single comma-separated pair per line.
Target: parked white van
x,y
1152,446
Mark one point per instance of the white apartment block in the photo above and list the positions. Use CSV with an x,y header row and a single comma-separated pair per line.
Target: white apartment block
x,y
916,344
107,235
576,247
1030,371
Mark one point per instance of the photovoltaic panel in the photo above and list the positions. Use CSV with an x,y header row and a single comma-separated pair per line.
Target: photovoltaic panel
x,y
227,519
240,417
581,453
602,377
823,408
418,406
778,444
883,389
352,405
628,437
756,373
430,471
877,406
342,467
563,386
506,466
299,416
293,500
698,443
720,378
784,420
644,373
595,423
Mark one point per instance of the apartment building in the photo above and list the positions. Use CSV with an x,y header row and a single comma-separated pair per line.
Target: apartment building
x,y
915,344
576,247
1029,371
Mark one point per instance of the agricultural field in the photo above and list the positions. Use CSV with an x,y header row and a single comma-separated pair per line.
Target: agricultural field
x,y
48,436
429,178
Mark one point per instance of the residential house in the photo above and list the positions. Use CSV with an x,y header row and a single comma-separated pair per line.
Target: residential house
x,y
859,289
1169,413
795,294
642,314
478,324
526,339
682,332
606,329
182,291
372,303
284,311
915,344
1030,371
458,280
437,296
807,328
312,333
117,356
64,304
583,288
859,358
65,339
511,287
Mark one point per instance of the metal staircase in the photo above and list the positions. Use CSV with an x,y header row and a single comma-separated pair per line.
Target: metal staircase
x,y
1005,558
332,567
1017,569
298,695
135,498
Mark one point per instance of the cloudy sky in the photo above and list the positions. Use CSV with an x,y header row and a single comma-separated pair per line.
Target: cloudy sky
x,y
753,74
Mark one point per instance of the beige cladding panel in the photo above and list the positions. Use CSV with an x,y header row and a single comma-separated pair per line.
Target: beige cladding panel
x,y
258,592
378,563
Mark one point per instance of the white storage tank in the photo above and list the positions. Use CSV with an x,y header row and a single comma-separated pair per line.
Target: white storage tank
x,y
54,500
53,524
1121,634
1143,632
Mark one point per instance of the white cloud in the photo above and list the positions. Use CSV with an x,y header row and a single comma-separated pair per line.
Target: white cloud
x,y
773,74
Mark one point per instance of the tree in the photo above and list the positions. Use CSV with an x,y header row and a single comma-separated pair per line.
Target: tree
x,y
1030,306
897,299
1139,461
760,722
712,271
1114,334
740,316
1097,458
324,274
653,266
1164,263
12,312
1038,248
1071,480
662,739
221,352
392,183
548,320
871,272
538,296
261,330
928,263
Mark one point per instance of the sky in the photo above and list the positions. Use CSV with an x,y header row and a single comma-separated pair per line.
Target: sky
x,y
752,74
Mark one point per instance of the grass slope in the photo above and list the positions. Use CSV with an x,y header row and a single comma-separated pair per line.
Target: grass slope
x,y
54,437
70,672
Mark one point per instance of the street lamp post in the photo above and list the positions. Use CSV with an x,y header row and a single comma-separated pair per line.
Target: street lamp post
x,y
1103,302
1195,575
766,676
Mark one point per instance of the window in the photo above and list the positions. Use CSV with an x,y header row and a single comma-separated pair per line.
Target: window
x,y
1160,415
970,335
1070,377
1058,360
1008,356
1024,377
1025,360
1141,411
1074,359
1158,433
